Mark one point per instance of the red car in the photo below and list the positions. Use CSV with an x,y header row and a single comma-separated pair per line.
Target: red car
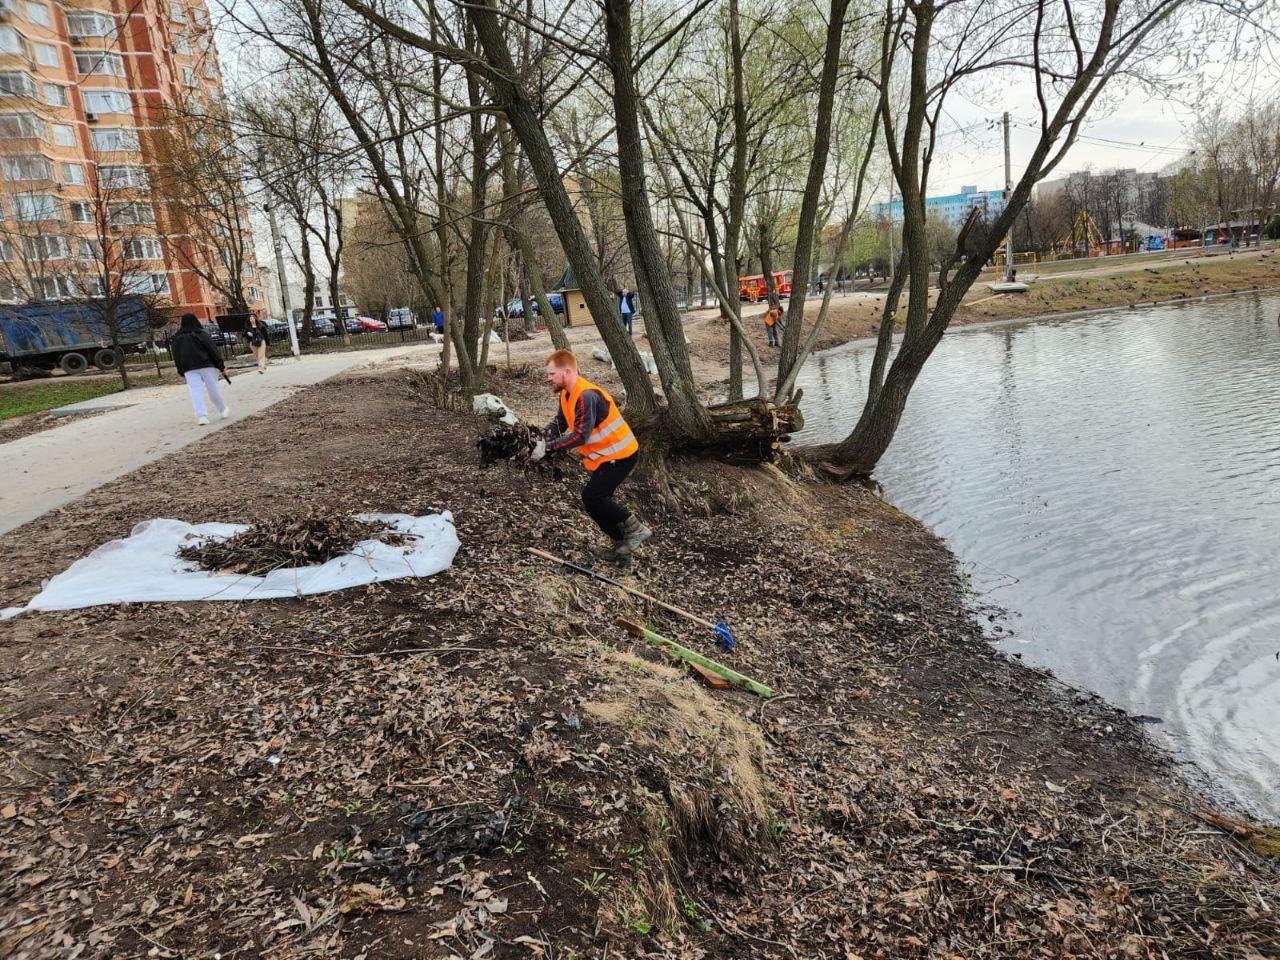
x,y
370,325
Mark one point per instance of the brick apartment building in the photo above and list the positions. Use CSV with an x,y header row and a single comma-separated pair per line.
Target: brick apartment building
x,y
85,90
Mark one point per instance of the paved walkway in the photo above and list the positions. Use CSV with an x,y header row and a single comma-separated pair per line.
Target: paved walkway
x,y
50,469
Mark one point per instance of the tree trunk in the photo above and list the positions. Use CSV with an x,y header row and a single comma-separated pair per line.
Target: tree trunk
x,y
663,326
765,232
529,129
519,236
812,191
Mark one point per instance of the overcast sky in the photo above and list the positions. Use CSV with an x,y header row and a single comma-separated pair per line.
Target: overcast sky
x,y
1138,130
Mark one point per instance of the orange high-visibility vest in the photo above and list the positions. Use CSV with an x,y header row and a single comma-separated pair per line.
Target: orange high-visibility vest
x,y
611,440
770,318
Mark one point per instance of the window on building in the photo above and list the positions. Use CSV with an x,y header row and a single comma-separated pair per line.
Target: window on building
x,y
39,13
114,139
188,76
35,206
100,64
14,83
89,249
122,178
177,12
142,248
11,41
64,135
146,283
94,287
56,95
27,168
47,55
250,270
20,126
107,101
84,23
50,247
73,174
183,46
81,211
253,293
57,287
131,213
6,251
210,70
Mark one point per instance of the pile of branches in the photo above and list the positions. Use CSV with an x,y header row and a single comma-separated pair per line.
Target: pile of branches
x,y
514,333
513,444
299,538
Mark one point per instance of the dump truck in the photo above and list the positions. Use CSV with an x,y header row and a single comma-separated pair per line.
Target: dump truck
x,y
69,335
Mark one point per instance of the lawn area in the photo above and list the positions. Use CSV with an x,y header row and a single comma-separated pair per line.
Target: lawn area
x,y
22,398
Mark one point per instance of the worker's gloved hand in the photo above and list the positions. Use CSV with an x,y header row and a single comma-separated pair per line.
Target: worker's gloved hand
x,y
539,451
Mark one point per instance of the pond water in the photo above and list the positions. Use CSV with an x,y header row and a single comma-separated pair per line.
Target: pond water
x,y
1113,482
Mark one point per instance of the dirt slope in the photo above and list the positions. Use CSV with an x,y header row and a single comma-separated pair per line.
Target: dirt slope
x,y
482,765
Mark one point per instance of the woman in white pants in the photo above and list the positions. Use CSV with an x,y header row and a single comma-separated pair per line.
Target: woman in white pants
x,y
199,362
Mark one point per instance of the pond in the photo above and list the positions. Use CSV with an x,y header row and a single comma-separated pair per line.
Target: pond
x,y
1112,481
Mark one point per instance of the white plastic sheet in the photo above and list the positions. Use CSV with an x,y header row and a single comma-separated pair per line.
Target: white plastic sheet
x,y
144,567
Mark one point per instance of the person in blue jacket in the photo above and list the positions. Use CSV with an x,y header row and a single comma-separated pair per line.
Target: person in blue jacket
x,y
627,307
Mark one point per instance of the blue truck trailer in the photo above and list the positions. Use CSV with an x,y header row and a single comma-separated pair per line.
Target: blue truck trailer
x,y
69,335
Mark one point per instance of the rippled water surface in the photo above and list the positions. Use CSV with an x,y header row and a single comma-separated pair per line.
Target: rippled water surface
x,y
1113,481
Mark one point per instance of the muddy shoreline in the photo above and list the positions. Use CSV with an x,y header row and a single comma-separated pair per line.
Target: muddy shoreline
x,y
480,764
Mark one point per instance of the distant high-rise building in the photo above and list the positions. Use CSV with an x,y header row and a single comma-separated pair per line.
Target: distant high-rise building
x,y
85,94
953,208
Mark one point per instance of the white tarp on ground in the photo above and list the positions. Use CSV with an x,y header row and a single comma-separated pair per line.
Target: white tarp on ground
x,y
144,567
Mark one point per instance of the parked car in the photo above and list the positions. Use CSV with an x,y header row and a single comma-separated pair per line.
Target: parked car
x,y
515,309
276,330
353,325
322,327
220,337
401,318
370,325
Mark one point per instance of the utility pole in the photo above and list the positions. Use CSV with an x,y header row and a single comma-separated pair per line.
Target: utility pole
x,y
284,280
1008,192
279,249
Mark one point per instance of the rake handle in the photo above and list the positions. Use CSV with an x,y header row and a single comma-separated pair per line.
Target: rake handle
x,y
671,607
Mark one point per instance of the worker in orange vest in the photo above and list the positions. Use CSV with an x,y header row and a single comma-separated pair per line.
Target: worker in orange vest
x,y
772,323
590,421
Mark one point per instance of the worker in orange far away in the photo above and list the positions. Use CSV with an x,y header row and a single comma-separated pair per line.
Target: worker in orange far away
x,y
773,324
590,421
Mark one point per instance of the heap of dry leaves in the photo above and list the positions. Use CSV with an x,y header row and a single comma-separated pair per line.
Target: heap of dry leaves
x,y
298,538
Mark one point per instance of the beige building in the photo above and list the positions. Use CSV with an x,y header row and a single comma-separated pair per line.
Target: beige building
x,y
85,86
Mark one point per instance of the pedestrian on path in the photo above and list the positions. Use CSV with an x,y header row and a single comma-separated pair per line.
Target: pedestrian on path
x,y
437,320
627,307
773,324
257,336
590,421
200,364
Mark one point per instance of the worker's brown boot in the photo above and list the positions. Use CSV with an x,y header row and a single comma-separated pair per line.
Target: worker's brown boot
x,y
618,552
635,533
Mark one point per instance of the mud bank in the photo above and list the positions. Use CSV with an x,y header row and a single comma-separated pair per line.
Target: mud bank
x,y
482,765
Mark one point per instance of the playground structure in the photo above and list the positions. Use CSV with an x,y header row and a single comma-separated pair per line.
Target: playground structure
x,y
1084,239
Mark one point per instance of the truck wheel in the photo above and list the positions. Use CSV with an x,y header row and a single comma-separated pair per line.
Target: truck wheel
x,y
107,358
73,363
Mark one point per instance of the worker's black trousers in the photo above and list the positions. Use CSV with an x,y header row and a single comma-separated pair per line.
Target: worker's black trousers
x,y
597,495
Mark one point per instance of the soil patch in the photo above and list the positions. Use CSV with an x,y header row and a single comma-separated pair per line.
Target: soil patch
x,y
481,765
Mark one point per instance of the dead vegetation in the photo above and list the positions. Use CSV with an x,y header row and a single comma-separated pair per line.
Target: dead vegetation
x,y
297,538
480,765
